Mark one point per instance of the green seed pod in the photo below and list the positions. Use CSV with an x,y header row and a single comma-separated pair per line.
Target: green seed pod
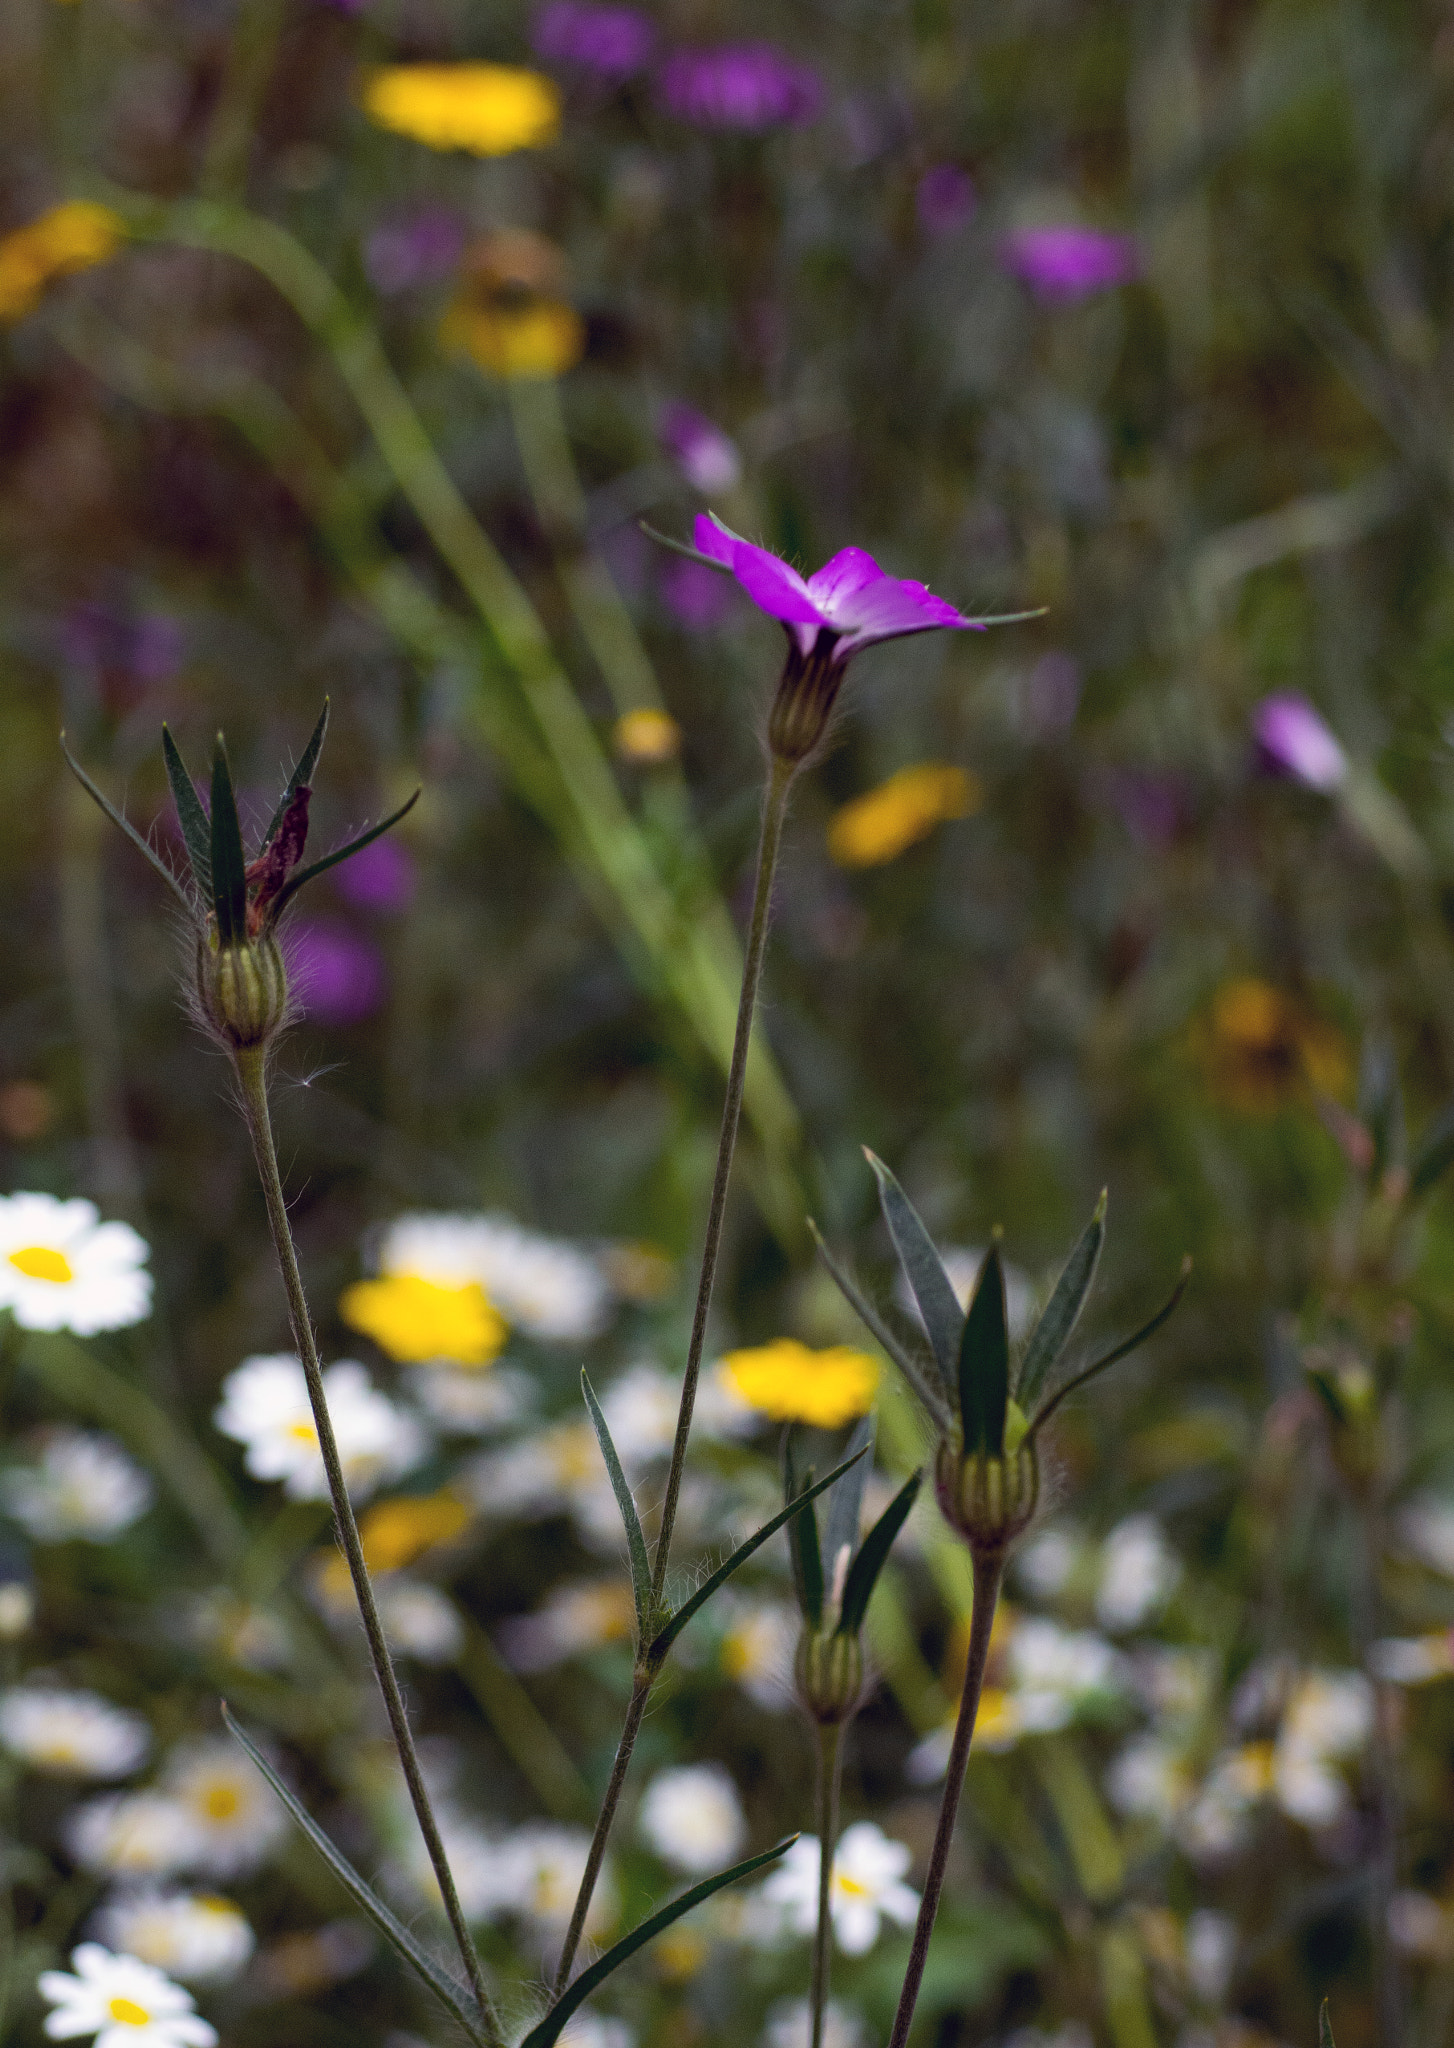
x,y
988,1500
829,1673
242,990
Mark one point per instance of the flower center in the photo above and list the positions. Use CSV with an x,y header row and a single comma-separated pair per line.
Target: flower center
x,y
129,2013
39,1262
303,1431
220,1802
852,1887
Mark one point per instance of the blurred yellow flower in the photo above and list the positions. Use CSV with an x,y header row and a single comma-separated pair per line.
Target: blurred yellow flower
x,y
1260,1046
648,735
70,237
416,1321
884,822
537,338
790,1383
395,1532
489,109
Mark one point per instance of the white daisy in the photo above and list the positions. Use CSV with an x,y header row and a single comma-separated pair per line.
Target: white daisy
x,y
558,1470
1139,1573
196,1936
692,1817
544,1285
640,1408
541,1866
124,2002
790,2025
464,1402
17,1609
758,1645
71,1734
587,2029
132,1834
265,1406
82,1485
473,1850
419,1620
867,1886
237,1817
62,1268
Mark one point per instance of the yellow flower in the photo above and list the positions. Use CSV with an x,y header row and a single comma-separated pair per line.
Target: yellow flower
x,y
648,735
884,822
70,237
537,338
489,109
395,1532
416,1322
1259,1046
790,1383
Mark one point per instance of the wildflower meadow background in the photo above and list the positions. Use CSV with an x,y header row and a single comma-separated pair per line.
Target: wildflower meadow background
x,y
347,352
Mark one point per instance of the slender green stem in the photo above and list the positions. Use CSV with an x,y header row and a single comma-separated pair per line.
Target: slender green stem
x,y
252,1079
830,1775
635,1713
988,1572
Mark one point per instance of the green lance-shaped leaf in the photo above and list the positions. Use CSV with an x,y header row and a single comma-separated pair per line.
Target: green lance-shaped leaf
x,y
1434,1153
148,853
681,547
672,1629
330,860
845,1502
924,1269
921,1373
870,1561
196,832
803,1539
635,1541
452,1995
1325,2028
580,1988
1118,1352
984,1361
229,864
302,775
1062,1312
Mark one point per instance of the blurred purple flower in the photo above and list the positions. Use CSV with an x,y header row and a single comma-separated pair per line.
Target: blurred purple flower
x,y
739,85
1069,263
1152,807
145,649
413,249
337,974
380,877
614,42
1293,740
695,596
1050,694
944,199
706,457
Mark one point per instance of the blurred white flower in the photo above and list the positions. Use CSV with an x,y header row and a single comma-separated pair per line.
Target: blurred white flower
x,y
1149,1780
867,1887
544,1285
473,1849
82,1485
692,1817
962,1264
540,1871
640,1407
132,1834
196,1936
558,1470
1427,1528
419,1620
1047,1562
238,1630
586,2029
1413,1660
265,1406
790,2025
71,1734
1330,1714
584,1615
1044,1676
465,1402
758,1645
237,1818
1211,1951
17,1609
62,1268
1138,1574
124,2002
1421,1926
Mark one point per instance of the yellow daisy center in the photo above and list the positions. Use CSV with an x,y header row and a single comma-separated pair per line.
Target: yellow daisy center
x,y
790,1383
220,1802
850,1886
303,1431
415,1320
43,1262
128,2013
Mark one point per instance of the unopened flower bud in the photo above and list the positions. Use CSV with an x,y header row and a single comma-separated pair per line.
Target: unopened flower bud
x,y
805,698
829,1674
242,990
989,1500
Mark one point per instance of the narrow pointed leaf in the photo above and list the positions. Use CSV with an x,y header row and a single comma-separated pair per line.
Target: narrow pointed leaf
x,y
302,775
580,1988
452,1995
984,1361
148,853
229,867
672,1629
924,1269
1062,1312
196,832
681,547
870,1561
803,1540
1120,1351
331,860
845,1502
1435,1152
1325,2028
620,1486
922,1374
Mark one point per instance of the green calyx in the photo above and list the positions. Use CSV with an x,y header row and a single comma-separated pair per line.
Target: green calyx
x,y
242,989
828,1671
989,1498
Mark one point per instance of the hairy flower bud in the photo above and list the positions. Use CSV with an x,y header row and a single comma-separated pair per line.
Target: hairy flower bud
x,y
806,694
829,1674
989,1500
242,990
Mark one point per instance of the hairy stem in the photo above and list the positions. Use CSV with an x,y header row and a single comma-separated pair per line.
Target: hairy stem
x,y
830,1774
252,1077
988,1572
635,1713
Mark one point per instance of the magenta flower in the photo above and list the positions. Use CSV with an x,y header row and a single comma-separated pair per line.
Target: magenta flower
x,y
614,42
413,249
381,877
1068,263
705,456
1292,740
739,85
696,597
336,973
944,199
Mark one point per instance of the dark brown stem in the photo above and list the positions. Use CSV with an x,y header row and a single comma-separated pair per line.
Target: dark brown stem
x,y
640,1694
988,1572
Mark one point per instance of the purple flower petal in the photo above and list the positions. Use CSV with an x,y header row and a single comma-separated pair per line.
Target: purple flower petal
x,y
839,581
614,42
944,199
1293,740
1068,263
706,457
380,876
337,975
696,597
739,85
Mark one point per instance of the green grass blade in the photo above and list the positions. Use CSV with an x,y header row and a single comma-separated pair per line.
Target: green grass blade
x,y
577,1992
148,853
330,860
302,774
870,1561
924,1270
1325,2028
1120,1351
1062,1312
984,1361
196,832
229,866
620,1486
